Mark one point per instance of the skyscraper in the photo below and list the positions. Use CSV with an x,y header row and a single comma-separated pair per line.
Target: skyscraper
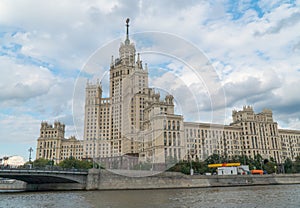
x,y
133,120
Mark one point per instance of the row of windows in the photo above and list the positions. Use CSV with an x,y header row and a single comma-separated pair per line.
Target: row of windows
x,y
174,125
172,153
48,144
48,132
210,133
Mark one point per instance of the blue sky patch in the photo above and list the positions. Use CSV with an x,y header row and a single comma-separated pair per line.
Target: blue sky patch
x,y
238,8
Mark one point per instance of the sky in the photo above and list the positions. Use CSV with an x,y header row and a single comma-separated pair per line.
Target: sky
x,y
213,56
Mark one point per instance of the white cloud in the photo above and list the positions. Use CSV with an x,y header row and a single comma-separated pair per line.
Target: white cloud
x,y
22,82
18,133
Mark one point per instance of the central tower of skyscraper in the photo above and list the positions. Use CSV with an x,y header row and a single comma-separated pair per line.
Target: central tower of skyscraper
x,y
127,78
133,120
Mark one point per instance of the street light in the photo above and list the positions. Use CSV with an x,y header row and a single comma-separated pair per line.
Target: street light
x,y
94,152
191,153
30,150
54,160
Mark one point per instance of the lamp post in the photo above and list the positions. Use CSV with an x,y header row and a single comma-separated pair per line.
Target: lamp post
x,y
30,150
54,161
191,153
94,149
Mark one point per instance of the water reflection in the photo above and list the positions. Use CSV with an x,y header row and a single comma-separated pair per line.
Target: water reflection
x,y
257,196
251,196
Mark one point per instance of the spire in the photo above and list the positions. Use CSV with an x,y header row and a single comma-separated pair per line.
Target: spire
x,y
127,41
112,61
127,49
138,61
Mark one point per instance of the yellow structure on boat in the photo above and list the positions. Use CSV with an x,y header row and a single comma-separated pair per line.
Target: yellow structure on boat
x,y
224,165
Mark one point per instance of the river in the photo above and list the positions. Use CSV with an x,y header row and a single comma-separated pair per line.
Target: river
x,y
251,196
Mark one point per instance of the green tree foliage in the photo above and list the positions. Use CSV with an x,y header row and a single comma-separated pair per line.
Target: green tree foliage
x,y
270,167
258,162
214,158
200,167
182,167
296,165
185,167
71,162
288,165
41,163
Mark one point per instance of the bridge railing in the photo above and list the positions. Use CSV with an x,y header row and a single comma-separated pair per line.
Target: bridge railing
x,y
45,169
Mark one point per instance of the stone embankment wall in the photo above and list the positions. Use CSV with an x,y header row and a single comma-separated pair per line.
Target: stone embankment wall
x,y
16,185
106,180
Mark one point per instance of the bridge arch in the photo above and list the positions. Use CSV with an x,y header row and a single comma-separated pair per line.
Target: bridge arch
x,y
32,176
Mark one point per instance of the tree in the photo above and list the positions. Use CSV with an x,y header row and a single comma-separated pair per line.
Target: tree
x,y
257,162
41,163
185,167
201,167
270,167
182,166
214,158
296,165
288,165
71,162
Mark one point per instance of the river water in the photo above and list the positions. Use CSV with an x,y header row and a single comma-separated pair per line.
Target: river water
x,y
251,196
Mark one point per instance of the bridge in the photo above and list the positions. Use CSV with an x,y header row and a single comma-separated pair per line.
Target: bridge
x,y
37,179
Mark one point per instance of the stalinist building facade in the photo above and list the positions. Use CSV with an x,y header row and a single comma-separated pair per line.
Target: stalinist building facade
x,y
136,122
52,144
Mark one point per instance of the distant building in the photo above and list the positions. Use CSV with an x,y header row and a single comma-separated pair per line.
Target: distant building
x,y
52,145
205,139
259,133
290,143
12,161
